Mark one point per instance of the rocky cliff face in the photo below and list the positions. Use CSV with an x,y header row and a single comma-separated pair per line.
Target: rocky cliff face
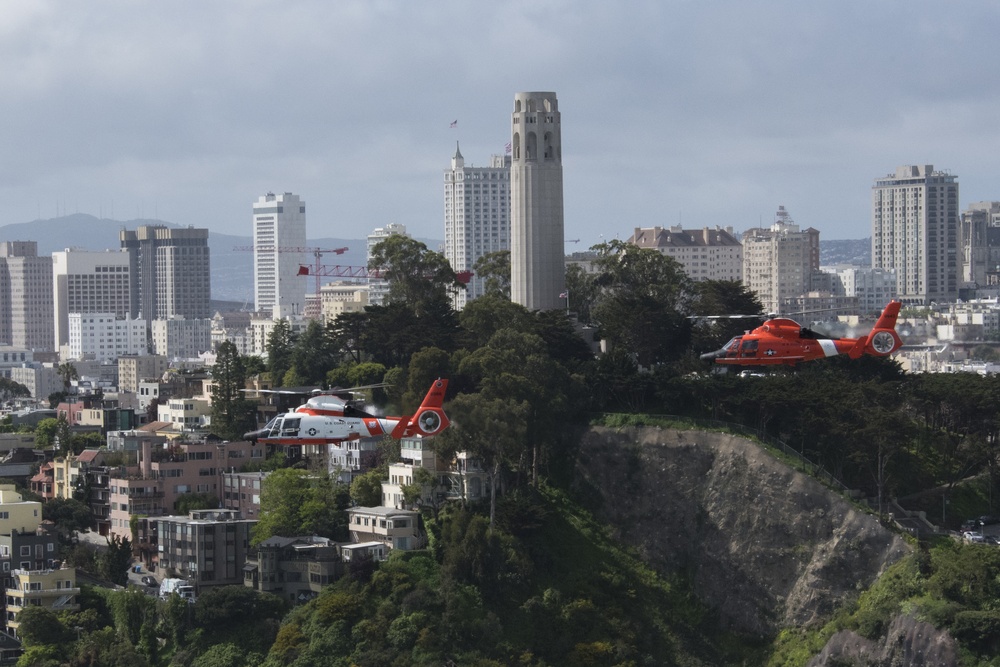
x,y
908,643
764,545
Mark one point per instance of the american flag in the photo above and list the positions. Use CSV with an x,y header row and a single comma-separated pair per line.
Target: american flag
x,y
507,147
564,295
454,123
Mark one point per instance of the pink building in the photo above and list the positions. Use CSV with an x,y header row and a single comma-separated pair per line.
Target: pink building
x,y
167,471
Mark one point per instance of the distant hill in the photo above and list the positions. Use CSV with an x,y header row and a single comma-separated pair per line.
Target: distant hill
x,y
847,251
232,270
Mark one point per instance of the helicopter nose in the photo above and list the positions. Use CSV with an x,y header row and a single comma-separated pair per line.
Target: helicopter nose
x,y
711,356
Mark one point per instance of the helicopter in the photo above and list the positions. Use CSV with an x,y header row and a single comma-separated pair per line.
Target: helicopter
x,y
327,419
783,341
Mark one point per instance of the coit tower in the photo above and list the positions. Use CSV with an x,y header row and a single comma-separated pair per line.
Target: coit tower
x,y
537,264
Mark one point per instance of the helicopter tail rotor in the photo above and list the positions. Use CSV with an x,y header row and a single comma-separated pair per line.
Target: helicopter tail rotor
x,y
882,340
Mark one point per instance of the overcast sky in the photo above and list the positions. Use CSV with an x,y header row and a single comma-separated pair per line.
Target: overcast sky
x,y
698,113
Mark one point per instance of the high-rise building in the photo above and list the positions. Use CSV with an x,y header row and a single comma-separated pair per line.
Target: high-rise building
x,y
705,254
378,287
85,281
537,256
26,319
915,219
279,235
980,233
171,270
476,217
778,262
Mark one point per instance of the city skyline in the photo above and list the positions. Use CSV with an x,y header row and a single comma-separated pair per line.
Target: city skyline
x,y
682,113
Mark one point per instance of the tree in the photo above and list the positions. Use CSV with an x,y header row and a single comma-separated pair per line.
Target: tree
x,y
114,562
366,488
45,432
67,371
232,411
186,502
313,354
417,277
294,502
494,430
642,306
40,626
10,390
483,317
582,291
279,351
493,269
69,516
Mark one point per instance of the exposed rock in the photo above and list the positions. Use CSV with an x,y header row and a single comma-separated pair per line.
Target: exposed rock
x,y
766,546
908,643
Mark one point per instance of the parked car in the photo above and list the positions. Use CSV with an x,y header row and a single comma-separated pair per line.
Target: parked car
x,y
150,581
988,520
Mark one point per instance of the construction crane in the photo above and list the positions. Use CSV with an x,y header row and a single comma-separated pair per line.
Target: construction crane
x,y
358,272
317,254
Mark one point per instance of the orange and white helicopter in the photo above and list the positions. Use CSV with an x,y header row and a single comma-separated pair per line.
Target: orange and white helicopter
x,y
327,419
783,341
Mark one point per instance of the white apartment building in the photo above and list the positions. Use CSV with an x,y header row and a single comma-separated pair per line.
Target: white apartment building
x,y
378,288
279,240
476,217
85,281
186,414
105,337
180,338
705,254
26,297
338,298
915,220
778,261
874,288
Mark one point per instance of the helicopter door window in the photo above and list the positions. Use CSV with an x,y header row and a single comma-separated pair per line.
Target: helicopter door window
x,y
749,348
290,427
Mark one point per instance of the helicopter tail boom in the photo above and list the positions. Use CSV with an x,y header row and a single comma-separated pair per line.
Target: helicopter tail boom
x,y
429,419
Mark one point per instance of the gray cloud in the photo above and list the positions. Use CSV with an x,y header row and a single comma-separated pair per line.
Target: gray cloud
x,y
703,113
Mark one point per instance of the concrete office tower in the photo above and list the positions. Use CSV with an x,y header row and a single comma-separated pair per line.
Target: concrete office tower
x,y
279,237
171,267
85,281
476,217
537,256
26,319
778,262
378,288
915,219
